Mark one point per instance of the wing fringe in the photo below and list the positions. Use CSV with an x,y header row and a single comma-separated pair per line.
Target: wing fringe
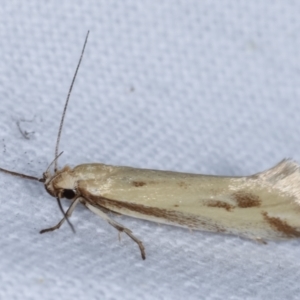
x,y
285,176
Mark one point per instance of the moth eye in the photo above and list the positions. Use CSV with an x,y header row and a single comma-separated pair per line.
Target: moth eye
x,y
69,194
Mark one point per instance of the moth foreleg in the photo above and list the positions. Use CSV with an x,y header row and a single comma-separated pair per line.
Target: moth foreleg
x,y
118,226
68,214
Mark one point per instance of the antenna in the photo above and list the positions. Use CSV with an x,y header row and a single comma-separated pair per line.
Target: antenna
x,y
22,175
66,104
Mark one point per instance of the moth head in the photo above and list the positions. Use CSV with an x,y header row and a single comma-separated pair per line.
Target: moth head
x,y
62,184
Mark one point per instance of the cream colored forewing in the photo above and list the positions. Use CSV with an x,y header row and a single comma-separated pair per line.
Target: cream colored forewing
x,y
265,205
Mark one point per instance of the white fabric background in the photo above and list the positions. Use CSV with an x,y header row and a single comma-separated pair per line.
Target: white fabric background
x,y
195,86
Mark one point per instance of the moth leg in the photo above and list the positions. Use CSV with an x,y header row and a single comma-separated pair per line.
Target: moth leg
x,y
68,214
118,226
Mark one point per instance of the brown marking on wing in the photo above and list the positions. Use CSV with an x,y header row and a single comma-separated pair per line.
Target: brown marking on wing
x,y
138,183
170,215
183,184
175,217
219,204
281,225
176,205
245,200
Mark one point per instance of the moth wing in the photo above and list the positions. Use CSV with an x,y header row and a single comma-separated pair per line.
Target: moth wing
x,y
261,206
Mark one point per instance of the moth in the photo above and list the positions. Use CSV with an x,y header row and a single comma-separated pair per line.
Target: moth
x,y
263,206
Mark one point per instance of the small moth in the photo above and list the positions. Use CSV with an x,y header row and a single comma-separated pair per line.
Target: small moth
x,y
263,206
